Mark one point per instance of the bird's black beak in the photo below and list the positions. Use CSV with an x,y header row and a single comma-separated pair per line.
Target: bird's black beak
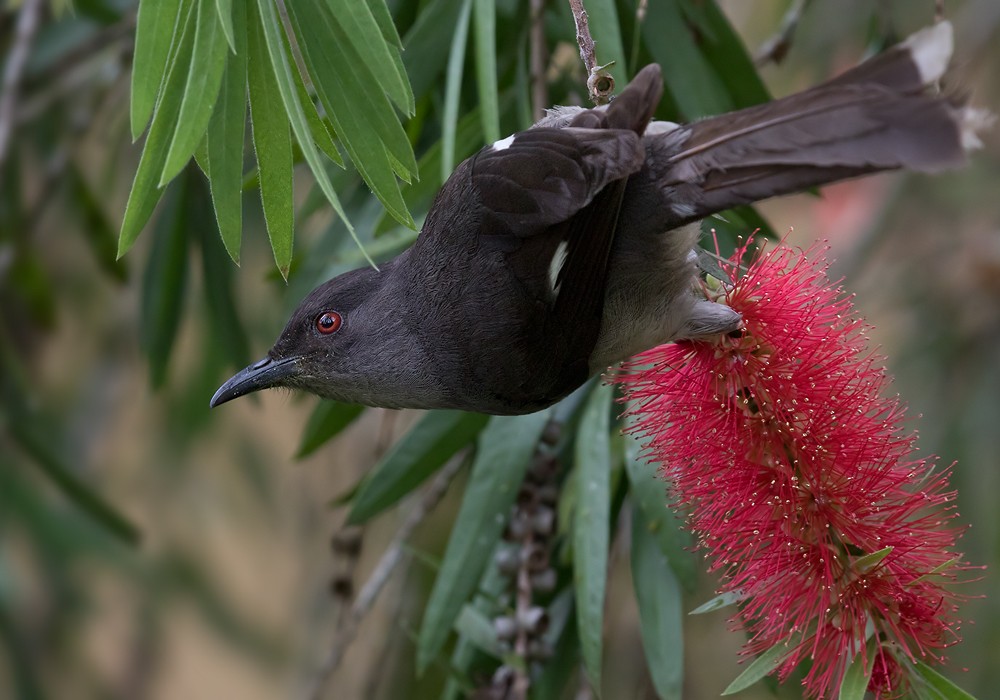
x,y
260,375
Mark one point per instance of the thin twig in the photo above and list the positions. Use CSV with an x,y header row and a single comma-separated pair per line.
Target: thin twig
x,y
392,557
522,682
600,84
17,61
538,61
583,38
776,48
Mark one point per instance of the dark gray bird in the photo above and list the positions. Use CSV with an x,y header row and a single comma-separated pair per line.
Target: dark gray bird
x,y
563,249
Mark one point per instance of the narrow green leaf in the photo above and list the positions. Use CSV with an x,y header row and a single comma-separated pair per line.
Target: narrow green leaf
x,y
503,456
486,604
163,285
321,133
723,600
649,494
867,562
658,595
363,123
380,11
226,330
468,137
940,568
225,10
692,82
363,31
276,43
152,47
436,437
272,142
226,135
564,667
208,60
201,156
474,626
427,44
591,526
725,50
95,225
326,421
453,90
486,68
39,447
145,192
857,674
946,688
762,666
607,33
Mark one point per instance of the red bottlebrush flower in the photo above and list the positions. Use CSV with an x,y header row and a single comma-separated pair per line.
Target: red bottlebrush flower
x,y
800,481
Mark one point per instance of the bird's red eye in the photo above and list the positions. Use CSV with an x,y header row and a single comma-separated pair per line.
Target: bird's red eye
x,y
329,322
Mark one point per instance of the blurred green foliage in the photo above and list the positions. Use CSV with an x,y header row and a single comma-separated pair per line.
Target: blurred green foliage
x,y
100,479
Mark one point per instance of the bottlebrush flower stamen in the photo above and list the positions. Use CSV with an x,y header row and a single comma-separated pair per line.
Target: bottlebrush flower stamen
x,y
800,481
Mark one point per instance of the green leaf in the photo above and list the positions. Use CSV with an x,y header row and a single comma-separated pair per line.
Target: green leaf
x,y
692,82
163,285
486,604
864,564
428,43
366,124
944,687
226,135
208,60
486,68
762,666
366,36
225,329
225,10
380,11
591,526
329,418
606,30
285,82
858,673
272,142
95,226
453,90
145,192
660,610
723,600
505,449
725,50
320,132
152,48
201,156
564,667
24,429
649,494
421,452
473,625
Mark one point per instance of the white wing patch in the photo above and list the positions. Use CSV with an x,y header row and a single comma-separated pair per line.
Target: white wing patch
x,y
556,265
503,144
930,50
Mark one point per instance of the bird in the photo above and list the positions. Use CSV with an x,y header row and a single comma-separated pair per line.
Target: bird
x,y
557,252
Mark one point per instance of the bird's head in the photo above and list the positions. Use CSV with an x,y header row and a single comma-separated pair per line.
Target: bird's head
x,y
315,351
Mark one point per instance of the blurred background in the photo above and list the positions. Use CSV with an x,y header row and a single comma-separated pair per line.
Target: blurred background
x,y
150,548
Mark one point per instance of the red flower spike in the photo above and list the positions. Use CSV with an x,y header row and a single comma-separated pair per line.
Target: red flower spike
x,y
801,484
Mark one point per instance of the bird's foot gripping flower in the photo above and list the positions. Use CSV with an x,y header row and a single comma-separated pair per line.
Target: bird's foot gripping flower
x,y
801,483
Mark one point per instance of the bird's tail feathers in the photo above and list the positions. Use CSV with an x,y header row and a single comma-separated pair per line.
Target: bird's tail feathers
x,y
880,115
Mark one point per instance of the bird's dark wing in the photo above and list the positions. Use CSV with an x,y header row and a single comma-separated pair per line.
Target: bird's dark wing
x,y
550,200
542,177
